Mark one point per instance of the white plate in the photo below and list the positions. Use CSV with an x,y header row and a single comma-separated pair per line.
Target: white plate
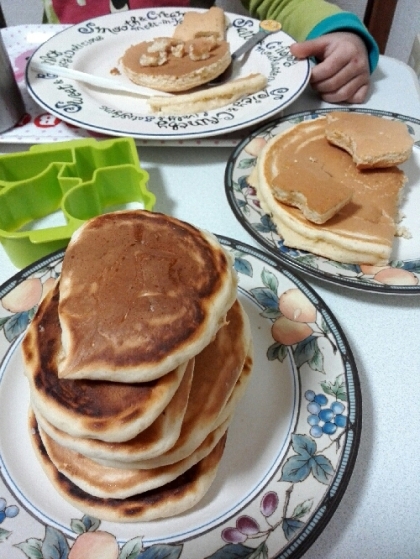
x,y
95,47
39,127
401,276
281,477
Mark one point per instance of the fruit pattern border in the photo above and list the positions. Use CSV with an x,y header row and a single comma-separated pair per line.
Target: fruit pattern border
x,y
245,205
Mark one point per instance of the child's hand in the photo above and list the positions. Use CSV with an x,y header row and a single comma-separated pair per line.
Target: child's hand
x,y
342,73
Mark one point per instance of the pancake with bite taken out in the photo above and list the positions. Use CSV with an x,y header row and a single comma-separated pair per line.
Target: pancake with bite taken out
x,y
371,140
360,232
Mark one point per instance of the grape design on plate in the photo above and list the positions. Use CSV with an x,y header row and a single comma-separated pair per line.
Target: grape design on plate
x,y
7,511
324,418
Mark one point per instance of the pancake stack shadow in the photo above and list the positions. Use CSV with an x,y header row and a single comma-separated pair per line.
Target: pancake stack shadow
x,y
136,360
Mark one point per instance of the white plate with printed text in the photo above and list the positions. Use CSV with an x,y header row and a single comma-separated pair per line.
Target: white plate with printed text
x,y
95,46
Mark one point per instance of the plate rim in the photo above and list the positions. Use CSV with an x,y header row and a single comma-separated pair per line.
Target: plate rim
x,y
333,502
156,136
285,259
327,506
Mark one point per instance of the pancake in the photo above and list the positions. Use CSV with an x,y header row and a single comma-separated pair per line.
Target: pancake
x,y
194,429
362,231
371,140
156,439
165,293
208,99
113,412
219,382
148,444
202,24
175,497
195,54
107,482
319,196
172,65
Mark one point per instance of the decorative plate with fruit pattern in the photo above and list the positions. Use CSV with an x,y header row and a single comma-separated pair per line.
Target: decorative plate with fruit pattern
x,y
290,451
401,275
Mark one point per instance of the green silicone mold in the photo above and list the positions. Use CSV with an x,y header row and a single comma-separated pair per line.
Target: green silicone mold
x,y
79,179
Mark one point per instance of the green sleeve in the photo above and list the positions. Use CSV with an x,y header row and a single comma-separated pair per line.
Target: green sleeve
x,y
346,21
298,17
309,19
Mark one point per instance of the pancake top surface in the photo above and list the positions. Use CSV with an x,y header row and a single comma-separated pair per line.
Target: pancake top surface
x,y
332,195
177,66
140,293
371,140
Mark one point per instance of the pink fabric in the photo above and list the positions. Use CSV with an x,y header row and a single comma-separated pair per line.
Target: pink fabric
x,y
70,11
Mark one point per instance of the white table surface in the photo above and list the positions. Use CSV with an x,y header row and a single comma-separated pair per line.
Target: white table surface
x,y
378,515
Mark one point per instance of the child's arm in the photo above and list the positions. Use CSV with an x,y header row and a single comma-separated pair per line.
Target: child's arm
x,y
344,49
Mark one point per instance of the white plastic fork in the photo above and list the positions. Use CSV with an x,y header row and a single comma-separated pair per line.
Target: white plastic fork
x,y
98,81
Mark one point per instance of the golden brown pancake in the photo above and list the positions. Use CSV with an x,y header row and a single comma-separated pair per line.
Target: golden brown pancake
x,y
156,439
195,54
196,426
178,72
177,496
165,293
167,341
113,412
202,24
371,140
362,231
289,188
103,481
152,442
208,99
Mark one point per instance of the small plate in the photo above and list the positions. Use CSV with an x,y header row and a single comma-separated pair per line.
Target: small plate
x,y
401,276
95,47
290,451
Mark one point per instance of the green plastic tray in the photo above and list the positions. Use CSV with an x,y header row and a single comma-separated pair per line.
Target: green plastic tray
x,y
80,179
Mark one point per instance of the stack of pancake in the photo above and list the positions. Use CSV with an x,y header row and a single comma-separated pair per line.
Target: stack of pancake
x,y
332,185
136,360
